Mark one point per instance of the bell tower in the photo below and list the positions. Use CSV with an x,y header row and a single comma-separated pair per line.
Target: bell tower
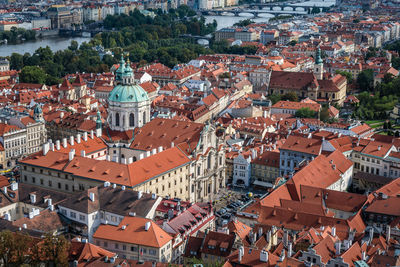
x,y
318,65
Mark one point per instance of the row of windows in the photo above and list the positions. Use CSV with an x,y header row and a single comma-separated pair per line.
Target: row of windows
x,y
13,143
124,247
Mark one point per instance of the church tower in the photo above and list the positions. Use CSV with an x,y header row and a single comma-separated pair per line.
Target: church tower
x,y
128,102
318,65
38,114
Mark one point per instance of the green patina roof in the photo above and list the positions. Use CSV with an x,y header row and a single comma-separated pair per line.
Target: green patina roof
x,y
318,59
37,109
128,93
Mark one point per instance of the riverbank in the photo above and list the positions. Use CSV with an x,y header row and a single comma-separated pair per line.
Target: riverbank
x,y
56,43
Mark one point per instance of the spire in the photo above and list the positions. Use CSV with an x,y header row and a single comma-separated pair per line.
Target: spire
x,y
38,113
98,120
318,59
121,69
99,127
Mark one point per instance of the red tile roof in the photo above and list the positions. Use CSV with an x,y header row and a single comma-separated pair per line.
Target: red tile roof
x,y
134,233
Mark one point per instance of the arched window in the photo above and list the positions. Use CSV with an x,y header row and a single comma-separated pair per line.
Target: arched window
x,y
134,159
144,117
123,121
123,156
131,120
117,119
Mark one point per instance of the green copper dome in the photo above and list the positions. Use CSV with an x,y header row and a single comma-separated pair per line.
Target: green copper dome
x,y
128,93
37,109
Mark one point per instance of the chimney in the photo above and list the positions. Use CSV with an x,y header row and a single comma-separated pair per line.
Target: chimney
x,y
106,184
91,134
364,255
78,138
290,249
14,186
130,160
46,148
114,186
58,144
388,233
99,132
5,189
148,154
85,136
52,146
333,231
241,253
337,247
51,207
91,196
123,188
379,147
154,151
24,226
172,144
64,142
32,197
139,195
123,227
153,196
71,155
83,153
147,226
263,256
71,140
160,149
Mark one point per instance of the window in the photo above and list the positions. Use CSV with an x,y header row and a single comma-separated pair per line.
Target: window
x,y
116,246
33,180
50,183
131,120
152,252
117,119
105,244
123,247
82,217
134,249
72,214
144,117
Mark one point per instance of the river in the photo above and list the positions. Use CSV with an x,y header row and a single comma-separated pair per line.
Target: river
x,y
61,43
55,43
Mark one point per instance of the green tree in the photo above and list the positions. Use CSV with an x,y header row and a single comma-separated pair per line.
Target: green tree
x,y
305,113
56,249
324,114
243,23
315,10
32,74
291,96
346,74
365,80
16,61
274,98
73,46
7,246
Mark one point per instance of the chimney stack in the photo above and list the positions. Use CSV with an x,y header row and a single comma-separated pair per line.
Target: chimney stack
x,y
71,140
58,144
91,134
91,196
83,153
241,253
85,136
71,154
46,148
147,226
65,142
78,138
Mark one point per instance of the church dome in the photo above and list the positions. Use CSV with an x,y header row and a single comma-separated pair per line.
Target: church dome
x,y
37,110
128,93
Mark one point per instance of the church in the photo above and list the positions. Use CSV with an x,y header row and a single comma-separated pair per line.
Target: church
x,y
132,135
315,85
